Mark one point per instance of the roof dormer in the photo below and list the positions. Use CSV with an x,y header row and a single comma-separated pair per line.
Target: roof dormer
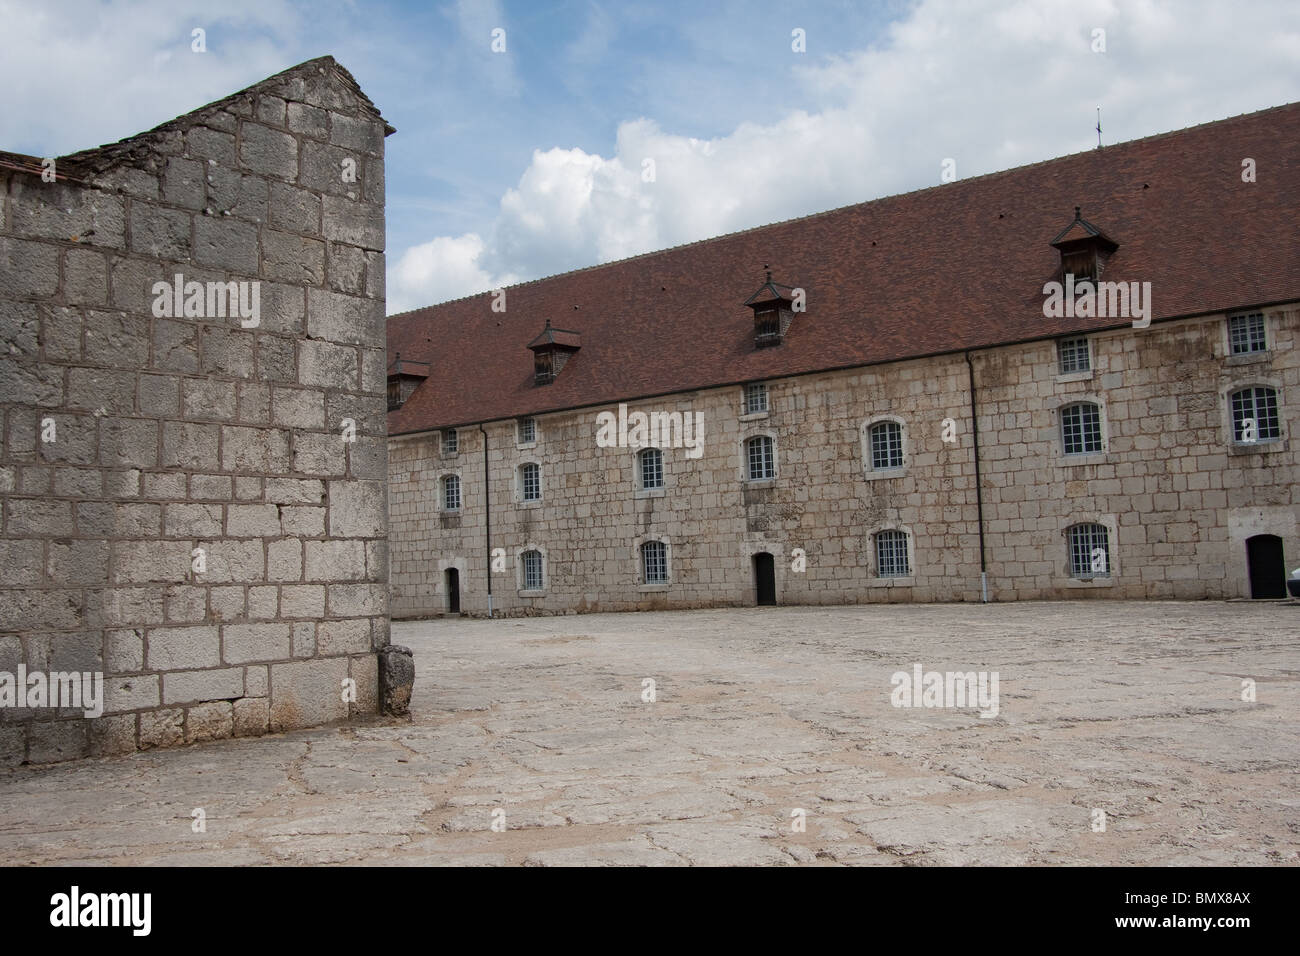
x,y
551,350
774,307
403,379
1084,249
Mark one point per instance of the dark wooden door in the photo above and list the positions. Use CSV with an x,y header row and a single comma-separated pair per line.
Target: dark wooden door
x,y
765,578
1267,566
453,591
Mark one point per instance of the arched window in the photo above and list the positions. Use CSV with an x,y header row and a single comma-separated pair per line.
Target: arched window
x,y
531,570
530,482
891,555
1081,428
651,461
654,562
1254,415
451,493
1089,547
760,458
886,445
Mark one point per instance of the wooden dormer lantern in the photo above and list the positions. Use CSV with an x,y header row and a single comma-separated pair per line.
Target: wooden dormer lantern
x,y
1084,250
773,306
551,350
403,379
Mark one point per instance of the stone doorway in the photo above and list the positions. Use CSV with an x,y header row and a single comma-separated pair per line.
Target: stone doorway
x,y
1266,566
453,591
765,579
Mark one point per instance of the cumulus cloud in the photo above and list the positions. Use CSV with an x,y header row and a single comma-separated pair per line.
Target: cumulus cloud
x,y
987,87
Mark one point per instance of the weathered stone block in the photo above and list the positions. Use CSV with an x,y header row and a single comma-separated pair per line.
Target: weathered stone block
x,y
187,687
213,721
306,693
396,679
245,643
182,648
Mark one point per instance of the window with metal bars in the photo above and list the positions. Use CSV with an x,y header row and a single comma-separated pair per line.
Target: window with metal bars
x,y
755,399
1089,546
451,493
654,562
527,430
891,554
1081,428
760,453
532,570
886,445
450,442
1246,333
1073,355
530,482
652,468
1254,415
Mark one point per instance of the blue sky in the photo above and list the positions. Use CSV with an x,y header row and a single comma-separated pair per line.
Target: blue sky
x,y
509,166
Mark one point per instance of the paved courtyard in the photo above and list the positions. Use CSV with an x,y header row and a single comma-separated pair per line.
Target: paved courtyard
x,y
539,725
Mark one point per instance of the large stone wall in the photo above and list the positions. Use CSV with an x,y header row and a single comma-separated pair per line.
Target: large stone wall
x,y
181,510
1178,497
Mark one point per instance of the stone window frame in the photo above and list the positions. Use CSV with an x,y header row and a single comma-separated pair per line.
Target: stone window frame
x,y
656,491
744,459
448,449
520,441
1241,383
1103,424
442,492
1073,520
1247,358
869,471
764,412
639,563
520,500
874,579
1079,375
520,579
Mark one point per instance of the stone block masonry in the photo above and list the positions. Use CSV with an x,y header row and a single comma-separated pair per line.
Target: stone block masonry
x,y
181,510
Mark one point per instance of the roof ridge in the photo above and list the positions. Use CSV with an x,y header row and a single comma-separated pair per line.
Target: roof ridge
x,y
866,202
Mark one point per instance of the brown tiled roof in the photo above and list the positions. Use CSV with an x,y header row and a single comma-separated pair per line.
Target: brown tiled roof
x,y
952,267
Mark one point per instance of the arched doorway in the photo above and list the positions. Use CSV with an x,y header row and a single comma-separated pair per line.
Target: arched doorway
x,y
1267,566
765,579
453,591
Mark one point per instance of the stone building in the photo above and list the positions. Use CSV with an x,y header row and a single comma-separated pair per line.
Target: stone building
x,y
884,402
192,393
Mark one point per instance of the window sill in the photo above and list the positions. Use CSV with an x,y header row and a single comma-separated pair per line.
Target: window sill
x,y
651,588
526,444
1097,582
1087,458
531,594
1248,358
755,416
1063,377
907,581
649,493
533,503
882,473
760,482
1262,447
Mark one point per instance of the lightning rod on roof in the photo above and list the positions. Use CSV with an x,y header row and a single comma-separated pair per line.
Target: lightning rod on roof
x,y
1099,127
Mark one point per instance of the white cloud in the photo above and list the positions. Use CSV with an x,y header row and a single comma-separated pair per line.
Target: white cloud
x,y
988,87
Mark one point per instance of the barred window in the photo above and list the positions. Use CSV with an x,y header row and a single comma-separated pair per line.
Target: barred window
x,y
755,399
1089,551
760,453
1246,333
1073,355
1081,428
527,430
654,562
652,468
886,445
451,493
1254,415
530,482
450,444
891,555
532,568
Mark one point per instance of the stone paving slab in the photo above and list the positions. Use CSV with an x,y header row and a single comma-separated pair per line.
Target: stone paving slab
x,y
1134,709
